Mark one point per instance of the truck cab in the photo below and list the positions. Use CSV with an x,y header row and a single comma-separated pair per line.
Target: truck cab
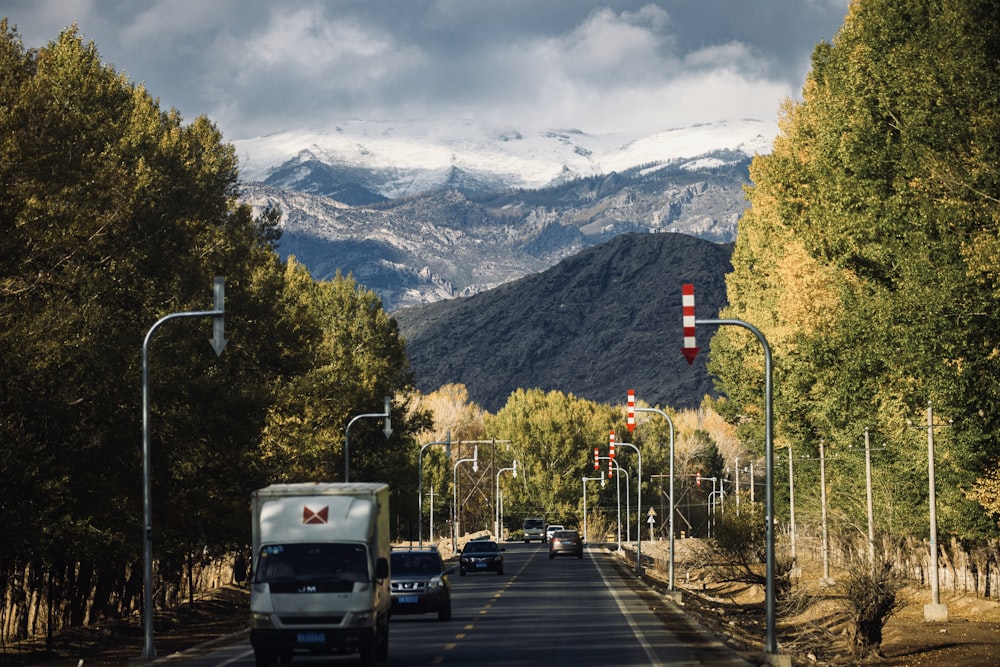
x,y
320,579
534,529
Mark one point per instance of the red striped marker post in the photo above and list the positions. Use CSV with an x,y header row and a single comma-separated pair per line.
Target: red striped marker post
x,y
630,417
690,349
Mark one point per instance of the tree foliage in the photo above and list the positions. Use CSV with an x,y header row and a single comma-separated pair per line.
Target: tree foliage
x,y
868,257
113,214
553,436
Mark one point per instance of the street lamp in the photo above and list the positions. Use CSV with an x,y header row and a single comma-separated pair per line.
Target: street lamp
x,y
420,488
711,501
454,498
638,508
499,518
770,607
387,429
585,480
670,577
218,342
628,511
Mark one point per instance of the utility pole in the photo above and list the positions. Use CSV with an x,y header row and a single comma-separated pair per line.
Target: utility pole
x,y
791,499
826,536
935,611
868,499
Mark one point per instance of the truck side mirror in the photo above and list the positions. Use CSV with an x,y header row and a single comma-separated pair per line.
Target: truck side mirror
x,y
381,569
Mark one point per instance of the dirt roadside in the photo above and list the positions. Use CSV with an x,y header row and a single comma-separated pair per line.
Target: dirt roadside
x,y
816,633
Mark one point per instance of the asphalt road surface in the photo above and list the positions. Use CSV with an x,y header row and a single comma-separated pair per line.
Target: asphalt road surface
x,y
565,611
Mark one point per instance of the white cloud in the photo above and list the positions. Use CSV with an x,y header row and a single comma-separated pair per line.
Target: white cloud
x,y
257,67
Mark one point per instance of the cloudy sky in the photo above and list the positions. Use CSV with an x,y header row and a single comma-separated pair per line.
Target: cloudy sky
x,y
257,67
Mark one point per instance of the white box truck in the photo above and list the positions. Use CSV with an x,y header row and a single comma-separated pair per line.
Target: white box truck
x,y
320,578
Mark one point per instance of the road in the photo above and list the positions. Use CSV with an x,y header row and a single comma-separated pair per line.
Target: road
x,y
564,611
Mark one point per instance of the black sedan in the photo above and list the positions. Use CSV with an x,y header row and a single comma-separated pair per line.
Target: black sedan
x,y
481,556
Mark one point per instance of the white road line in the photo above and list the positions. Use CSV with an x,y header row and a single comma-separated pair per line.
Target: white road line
x,y
238,658
628,617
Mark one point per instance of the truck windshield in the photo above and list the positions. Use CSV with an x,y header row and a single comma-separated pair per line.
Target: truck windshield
x,y
533,524
321,561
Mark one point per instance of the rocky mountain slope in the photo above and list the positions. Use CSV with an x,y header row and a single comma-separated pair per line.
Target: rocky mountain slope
x,y
596,324
419,212
449,242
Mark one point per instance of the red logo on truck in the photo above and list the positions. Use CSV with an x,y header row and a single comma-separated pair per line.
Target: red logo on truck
x,y
315,516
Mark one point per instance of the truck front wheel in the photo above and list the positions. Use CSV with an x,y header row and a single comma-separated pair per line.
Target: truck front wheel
x,y
367,652
382,641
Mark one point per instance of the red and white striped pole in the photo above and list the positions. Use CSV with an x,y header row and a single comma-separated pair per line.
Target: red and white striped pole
x,y
690,349
630,416
611,456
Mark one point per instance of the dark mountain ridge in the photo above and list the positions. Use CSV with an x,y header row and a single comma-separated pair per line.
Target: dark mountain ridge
x,y
596,324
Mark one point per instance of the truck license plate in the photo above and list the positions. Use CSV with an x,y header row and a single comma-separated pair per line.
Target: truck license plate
x,y
311,638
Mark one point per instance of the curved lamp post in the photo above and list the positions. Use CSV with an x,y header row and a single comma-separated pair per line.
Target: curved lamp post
x,y
420,487
454,498
628,511
638,508
218,342
585,480
387,429
498,519
670,578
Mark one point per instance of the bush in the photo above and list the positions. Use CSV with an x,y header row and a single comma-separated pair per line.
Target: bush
x,y
740,548
872,594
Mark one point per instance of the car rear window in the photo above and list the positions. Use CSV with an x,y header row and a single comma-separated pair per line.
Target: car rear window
x,y
415,563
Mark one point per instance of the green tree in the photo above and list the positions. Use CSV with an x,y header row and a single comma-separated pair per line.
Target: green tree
x,y
352,357
868,256
114,214
553,436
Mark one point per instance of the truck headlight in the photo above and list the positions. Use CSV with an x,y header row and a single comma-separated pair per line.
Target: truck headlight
x,y
260,621
360,619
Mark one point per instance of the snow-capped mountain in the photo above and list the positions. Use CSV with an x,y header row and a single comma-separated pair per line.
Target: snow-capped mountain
x,y
409,158
419,214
